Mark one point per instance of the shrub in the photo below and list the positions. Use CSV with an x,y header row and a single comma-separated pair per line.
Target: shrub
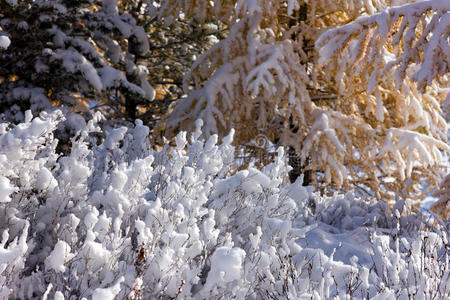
x,y
115,218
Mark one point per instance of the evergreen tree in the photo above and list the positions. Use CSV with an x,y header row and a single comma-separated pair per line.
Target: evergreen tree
x,y
71,53
114,56
344,98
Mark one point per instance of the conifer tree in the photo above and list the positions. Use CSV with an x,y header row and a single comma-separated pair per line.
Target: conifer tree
x,y
71,53
113,56
353,86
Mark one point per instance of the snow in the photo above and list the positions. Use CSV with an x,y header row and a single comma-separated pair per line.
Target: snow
x,y
15,250
13,3
443,5
76,122
190,227
108,293
117,219
113,78
4,42
149,92
59,256
56,7
142,40
59,295
432,42
40,67
98,255
73,62
226,266
45,180
125,29
47,291
429,67
292,6
115,137
6,189
110,7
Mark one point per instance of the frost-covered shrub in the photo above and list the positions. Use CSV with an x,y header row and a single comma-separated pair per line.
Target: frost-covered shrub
x,y
168,222
397,255
116,218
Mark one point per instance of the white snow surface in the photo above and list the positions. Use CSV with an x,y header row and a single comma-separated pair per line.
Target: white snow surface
x,y
4,42
108,293
59,256
5,189
226,266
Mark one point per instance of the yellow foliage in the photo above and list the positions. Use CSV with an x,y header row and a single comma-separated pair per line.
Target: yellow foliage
x,y
330,94
442,206
13,78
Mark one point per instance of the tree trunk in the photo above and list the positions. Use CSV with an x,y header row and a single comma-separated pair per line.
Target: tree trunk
x,y
298,168
130,107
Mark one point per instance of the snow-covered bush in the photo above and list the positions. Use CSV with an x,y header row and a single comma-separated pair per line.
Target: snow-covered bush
x,y
115,218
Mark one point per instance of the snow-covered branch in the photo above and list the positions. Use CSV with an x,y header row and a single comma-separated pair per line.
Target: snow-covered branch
x,y
412,34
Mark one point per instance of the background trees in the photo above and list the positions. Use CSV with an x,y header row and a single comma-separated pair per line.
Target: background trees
x,y
71,53
346,102
112,56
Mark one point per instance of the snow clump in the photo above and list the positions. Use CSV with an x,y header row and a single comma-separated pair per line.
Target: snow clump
x,y
115,218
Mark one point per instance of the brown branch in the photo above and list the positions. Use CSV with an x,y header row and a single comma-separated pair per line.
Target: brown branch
x,y
324,97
